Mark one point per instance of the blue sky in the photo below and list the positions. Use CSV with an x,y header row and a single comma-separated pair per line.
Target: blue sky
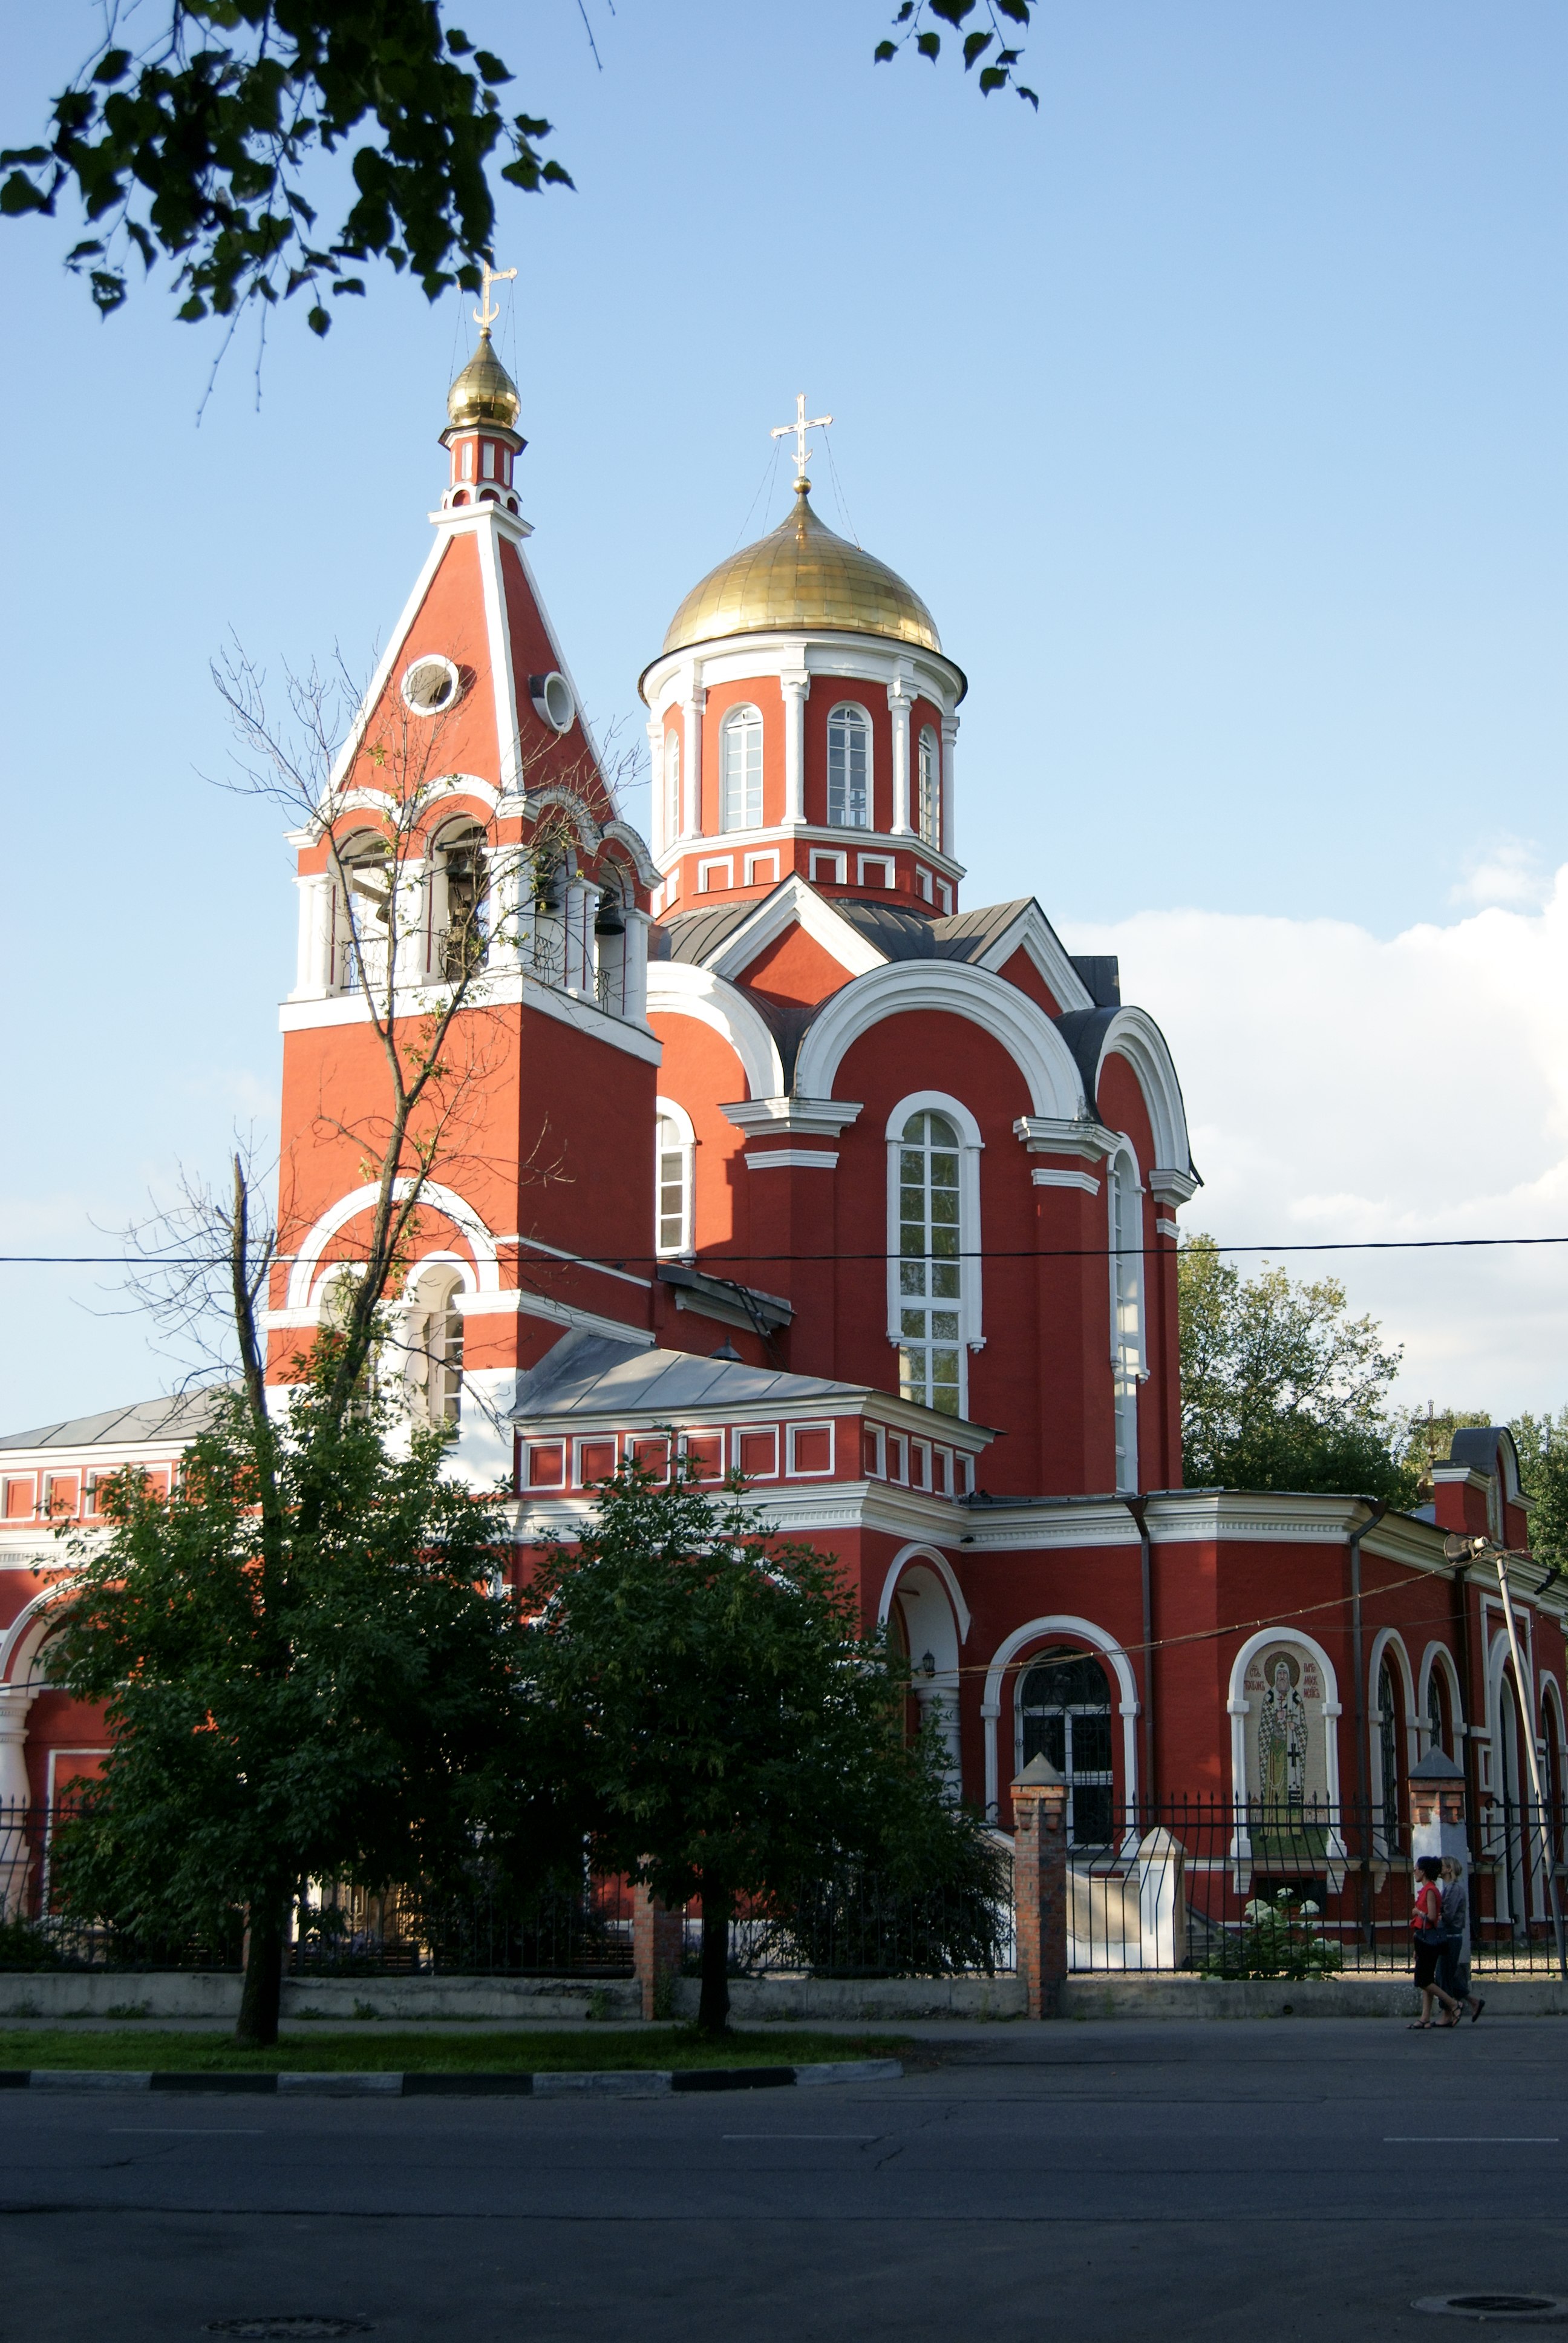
x,y
1216,413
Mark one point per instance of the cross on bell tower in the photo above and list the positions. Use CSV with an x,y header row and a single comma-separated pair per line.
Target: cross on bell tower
x,y
801,424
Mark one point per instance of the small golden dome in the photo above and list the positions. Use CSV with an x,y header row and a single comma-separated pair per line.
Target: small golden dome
x,y
802,575
484,392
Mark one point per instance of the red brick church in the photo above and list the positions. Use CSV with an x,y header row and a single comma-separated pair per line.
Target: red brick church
x,y
787,1150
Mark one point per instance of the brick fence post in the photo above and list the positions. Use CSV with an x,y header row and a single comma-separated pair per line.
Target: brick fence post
x,y
1039,1884
657,1939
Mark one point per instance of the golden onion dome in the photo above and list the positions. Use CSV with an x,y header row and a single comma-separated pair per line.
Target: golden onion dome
x,y
801,575
484,392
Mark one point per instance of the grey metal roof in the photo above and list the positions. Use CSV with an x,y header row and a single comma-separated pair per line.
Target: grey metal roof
x,y
181,1419
586,1374
693,935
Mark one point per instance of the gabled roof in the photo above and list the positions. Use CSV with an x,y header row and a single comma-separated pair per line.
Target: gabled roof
x,y
175,1421
589,1373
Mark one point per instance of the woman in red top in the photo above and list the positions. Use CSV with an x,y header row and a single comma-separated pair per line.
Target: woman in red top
x,y
1426,1928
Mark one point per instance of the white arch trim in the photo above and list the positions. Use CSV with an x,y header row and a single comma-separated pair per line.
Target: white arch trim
x,y
1552,1699
1024,1031
1061,1623
1237,1704
686,1130
1438,1657
675,989
20,1643
943,1568
1131,1033
463,1217
1389,1644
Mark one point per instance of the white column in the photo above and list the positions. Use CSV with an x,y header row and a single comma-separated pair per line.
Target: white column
x,y
506,904
795,688
656,784
313,963
635,1006
413,919
949,737
579,975
692,706
899,703
16,1796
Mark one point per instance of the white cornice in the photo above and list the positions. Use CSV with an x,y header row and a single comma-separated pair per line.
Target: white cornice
x,y
867,659
1172,1187
793,1159
510,990
809,833
1044,1135
804,1118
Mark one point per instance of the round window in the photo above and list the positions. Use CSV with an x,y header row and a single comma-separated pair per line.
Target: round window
x,y
552,697
431,685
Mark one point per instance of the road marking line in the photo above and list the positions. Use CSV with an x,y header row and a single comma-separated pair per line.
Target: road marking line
x,y
1470,2139
184,2131
852,2138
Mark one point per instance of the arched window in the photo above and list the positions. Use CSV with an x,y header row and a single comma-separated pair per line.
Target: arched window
x,y
434,1370
460,900
849,768
741,767
929,788
671,786
1124,1212
362,911
1437,1732
1064,1715
931,1267
1388,1753
673,1141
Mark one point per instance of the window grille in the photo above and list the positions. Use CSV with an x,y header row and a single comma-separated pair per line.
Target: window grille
x,y
1064,1714
931,1270
672,1198
848,769
928,788
742,770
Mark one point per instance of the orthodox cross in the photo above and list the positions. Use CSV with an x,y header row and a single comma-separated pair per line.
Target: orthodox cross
x,y
801,424
488,310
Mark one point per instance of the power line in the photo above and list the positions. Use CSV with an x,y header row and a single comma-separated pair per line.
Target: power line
x,y
716,1264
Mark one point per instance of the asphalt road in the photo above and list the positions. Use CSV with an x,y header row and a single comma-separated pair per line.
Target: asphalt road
x,y
1081,2181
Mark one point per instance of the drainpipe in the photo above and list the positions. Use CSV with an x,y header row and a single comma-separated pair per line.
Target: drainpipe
x,y
1139,1509
1358,1659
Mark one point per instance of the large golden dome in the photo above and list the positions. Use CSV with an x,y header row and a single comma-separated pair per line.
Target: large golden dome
x,y
484,392
802,575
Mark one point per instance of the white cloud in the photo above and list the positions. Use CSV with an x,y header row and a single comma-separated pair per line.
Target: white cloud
x,y
1342,1086
1509,871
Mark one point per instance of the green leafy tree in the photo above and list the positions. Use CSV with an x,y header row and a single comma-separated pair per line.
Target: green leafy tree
x,y
1542,1445
197,150
1280,1387
719,1725
305,1673
1425,1439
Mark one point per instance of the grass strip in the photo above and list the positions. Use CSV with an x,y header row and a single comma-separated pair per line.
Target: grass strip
x,y
379,2049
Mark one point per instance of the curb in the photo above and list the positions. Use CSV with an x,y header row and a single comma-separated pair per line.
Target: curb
x,y
624,2083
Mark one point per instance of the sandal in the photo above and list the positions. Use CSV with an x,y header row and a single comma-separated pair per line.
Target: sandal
x,y
1475,2013
1419,2025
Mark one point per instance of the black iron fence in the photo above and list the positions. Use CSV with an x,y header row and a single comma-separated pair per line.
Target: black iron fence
x,y
337,1928
1305,1890
856,1924
1200,1884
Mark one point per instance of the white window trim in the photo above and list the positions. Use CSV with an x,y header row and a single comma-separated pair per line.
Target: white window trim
x,y
754,874
731,720
755,1431
971,1146
933,838
795,1471
686,1137
864,713
1122,1179
835,876
704,1431
883,862
946,895
705,871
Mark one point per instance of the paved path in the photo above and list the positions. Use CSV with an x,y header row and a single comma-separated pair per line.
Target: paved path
x,y
1082,2181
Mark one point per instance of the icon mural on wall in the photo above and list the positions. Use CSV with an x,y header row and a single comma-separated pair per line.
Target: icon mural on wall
x,y
1288,1792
